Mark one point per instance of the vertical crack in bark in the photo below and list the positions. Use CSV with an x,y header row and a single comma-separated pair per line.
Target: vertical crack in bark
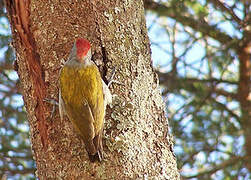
x,y
105,60
19,15
103,50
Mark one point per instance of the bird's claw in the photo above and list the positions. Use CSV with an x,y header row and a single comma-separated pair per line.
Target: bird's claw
x,y
111,80
54,103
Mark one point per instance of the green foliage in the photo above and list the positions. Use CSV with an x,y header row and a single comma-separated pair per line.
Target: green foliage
x,y
197,8
15,153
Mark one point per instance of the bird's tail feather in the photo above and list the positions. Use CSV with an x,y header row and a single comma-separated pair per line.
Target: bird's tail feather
x,y
95,148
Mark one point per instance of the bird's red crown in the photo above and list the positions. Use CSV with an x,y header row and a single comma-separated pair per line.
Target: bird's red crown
x,y
83,46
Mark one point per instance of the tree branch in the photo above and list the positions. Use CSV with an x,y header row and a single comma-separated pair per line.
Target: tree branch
x,y
172,82
224,107
17,171
5,66
188,20
166,76
27,157
222,6
218,167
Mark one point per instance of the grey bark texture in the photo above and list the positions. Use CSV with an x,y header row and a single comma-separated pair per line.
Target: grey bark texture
x,y
137,144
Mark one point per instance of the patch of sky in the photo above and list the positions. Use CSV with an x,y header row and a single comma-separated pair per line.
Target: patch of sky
x,y
228,27
1,94
221,99
177,101
215,114
23,127
9,133
160,58
4,26
188,170
213,43
233,105
6,101
17,101
227,87
13,122
178,148
216,18
245,174
239,10
12,165
2,52
2,132
11,153
159,47
227,140
202,2
239,142
14,144
193,61
201,158
215,156
13,76
214,15
235,122
186,122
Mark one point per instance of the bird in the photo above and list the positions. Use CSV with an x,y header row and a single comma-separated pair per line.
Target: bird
x,y
83,97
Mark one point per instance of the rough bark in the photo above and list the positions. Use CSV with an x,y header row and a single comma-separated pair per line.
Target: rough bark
x,y
137,142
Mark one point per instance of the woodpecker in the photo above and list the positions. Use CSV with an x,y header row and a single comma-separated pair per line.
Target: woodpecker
x,y
83,97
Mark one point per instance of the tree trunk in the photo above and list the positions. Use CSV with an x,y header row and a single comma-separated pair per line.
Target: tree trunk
x,y
245,95
136,138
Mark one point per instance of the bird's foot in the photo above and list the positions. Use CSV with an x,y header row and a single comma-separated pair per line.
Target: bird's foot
x,y
111,80
54,103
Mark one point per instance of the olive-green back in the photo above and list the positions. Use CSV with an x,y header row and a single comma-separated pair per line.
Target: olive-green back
x,y
78,86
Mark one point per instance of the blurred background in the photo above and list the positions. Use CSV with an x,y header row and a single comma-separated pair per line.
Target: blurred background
x,y
196,50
